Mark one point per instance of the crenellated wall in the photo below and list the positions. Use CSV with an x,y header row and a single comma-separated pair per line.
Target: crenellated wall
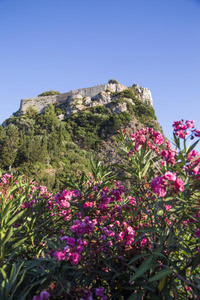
x,y
41,103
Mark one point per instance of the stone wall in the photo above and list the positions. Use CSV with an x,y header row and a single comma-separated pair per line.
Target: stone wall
x,y
41,103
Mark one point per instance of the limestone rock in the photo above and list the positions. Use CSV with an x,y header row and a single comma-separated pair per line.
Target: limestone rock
x,y
130,100
102,98
117,108
61,117
87,100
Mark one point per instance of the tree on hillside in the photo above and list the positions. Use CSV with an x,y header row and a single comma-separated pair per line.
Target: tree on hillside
x,y
31,112
10,146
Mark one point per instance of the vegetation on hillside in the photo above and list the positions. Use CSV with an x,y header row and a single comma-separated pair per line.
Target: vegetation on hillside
x,y
95,240
49,93
52,150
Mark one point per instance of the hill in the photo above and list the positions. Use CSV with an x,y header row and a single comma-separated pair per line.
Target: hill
x,y
53,136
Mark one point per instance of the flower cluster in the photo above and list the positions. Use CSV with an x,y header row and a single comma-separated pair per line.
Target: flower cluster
x,y
147,136
159,183
71,252
44,295
181,129
83,227
193,160
92,233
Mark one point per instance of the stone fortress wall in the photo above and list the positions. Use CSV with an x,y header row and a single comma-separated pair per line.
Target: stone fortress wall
x,y
42,102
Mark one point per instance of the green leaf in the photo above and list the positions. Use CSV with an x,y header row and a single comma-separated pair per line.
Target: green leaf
x,y
145,266
3,274
6,211
15,218
190,148
8,235
160,212
167,296
136,296
196,262
138,256
160,275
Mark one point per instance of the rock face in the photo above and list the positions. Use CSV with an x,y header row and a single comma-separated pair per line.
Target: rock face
x,y
143,94
79,99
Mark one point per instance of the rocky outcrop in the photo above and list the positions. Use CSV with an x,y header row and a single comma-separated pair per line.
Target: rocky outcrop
x,y
143,94
79,99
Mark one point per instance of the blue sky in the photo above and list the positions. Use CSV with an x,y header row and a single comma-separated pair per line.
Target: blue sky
x,y
68,44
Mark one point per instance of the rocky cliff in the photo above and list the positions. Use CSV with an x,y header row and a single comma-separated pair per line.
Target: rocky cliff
x,y
74,101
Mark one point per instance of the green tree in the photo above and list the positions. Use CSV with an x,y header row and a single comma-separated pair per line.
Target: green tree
x,y
45,154
31,112
10,146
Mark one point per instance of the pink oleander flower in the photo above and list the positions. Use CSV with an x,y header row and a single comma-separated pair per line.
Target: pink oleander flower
x,y
164,153
168,207
197,233
158,186
75,193
197,133
179,184
64,238
43,189
158,138
71,241
189,124
74,258
110,243
59,255
121,235
170,176
99,292
44,295
67,195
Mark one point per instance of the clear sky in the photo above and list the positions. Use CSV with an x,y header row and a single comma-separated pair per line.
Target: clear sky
x,y
67,44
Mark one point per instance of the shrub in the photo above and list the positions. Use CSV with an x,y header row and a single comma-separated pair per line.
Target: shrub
x,y
99,242
113,81
49,93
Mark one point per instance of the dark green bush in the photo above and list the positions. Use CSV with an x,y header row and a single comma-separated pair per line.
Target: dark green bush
x,y
113,81
49,93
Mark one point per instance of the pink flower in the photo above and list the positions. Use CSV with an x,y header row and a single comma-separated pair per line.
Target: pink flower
x,y
170,176
59,255
67,195
110,244
189,124
74,258
75,193
71,241
158,138
168,207
197,133
158,186
179,184
44,295
164,153
197,233
99,292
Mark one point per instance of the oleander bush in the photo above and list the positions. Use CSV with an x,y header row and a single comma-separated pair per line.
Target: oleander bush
x,y
94,240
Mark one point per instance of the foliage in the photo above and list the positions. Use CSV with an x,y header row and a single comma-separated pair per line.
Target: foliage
x,y
113,81
49,93
100,242
31,112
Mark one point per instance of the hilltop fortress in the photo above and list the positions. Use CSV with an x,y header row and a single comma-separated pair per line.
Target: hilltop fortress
x,y
79,99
